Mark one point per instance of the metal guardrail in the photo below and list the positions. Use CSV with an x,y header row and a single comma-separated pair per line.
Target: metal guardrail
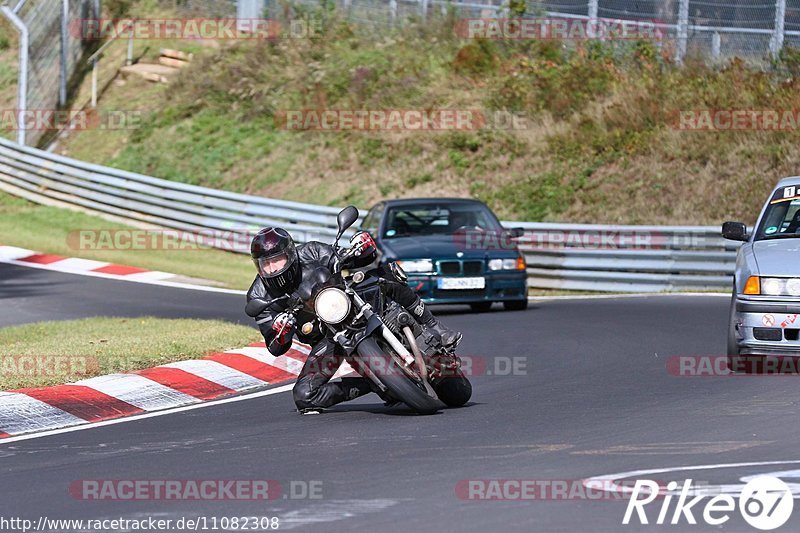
x,y
559,256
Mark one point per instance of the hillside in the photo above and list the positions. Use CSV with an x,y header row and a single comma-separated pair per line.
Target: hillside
x,y
599,142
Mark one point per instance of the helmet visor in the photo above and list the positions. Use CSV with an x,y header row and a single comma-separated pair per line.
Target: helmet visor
x,y
276,264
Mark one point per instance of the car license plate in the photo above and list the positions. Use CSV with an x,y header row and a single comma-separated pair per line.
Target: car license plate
x,y
461,283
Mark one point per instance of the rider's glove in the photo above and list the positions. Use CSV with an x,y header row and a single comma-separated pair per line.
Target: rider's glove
x,y
283,326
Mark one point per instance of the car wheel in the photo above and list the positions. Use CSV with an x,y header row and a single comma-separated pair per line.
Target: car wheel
x,y
481,307
736,363
516,305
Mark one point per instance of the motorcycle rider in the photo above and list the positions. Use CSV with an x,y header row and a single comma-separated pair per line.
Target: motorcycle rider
x,y
280,264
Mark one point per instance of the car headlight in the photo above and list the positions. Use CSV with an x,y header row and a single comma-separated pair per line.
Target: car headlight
x,y
772,286
332,305
507,264
417,265
793,286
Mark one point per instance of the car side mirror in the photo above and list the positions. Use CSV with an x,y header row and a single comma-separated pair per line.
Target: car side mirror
x,y
734,231
516,233
346,218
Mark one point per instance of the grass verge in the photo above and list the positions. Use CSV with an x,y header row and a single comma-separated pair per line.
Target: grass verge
x,y
52,353
46,229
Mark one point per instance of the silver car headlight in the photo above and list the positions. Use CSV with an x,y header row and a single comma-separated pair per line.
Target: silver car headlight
x,y
767,286
332,305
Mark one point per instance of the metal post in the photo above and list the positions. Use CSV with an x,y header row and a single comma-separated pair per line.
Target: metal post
x,y
22,84
593,9
683,30
94,83
62,82
423,4
776,42
129,60
393,9
715,46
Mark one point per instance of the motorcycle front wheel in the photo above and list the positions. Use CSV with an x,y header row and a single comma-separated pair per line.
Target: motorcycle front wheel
x,y
383,364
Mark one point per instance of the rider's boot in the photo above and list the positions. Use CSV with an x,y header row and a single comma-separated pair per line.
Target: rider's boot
x,y
447,336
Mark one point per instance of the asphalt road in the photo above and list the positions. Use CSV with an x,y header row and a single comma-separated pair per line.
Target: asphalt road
x,y
594,397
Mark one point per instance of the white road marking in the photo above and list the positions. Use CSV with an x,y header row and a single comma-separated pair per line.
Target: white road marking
x,y
134,418
607,482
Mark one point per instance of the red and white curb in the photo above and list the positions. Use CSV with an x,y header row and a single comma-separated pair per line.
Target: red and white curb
x,y
153,389
87,267
30,258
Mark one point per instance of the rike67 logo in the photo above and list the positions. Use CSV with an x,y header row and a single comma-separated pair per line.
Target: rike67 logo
x,y
765,503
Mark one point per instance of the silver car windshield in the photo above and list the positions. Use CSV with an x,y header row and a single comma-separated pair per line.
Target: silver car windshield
x,y
782,217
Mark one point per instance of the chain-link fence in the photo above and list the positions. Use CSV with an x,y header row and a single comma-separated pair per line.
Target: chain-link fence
x,y
50,54
53,55
711,29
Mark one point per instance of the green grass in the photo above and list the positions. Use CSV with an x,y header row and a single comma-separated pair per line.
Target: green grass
x,y
78,349
49,229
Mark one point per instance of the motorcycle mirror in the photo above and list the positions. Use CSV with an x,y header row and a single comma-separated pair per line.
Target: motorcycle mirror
x,y
346,218
255,307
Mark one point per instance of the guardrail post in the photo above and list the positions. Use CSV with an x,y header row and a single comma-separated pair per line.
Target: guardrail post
x,y
393,10
683,31
423,5
776,42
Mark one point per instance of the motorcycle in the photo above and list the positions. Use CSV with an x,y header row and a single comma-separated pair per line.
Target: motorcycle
x,y
380,339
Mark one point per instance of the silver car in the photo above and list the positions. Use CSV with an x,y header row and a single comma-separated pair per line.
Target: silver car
x,y
765,307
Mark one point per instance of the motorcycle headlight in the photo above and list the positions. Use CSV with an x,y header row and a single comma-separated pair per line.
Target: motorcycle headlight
x,y
332,305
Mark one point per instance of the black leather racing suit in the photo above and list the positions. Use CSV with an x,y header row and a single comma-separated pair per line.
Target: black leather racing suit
x,y
313,388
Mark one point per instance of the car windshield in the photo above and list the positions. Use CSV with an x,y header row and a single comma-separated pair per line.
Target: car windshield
x,y
438,219
782,217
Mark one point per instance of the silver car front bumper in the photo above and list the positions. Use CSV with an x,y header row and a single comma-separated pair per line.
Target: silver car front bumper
x,y
767,327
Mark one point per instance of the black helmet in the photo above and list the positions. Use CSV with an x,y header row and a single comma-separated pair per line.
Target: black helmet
x,y
275,257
